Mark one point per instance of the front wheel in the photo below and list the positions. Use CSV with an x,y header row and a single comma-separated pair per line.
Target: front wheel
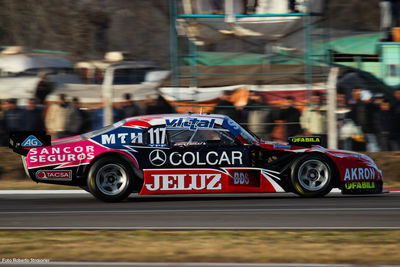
x,y
110,179
312,175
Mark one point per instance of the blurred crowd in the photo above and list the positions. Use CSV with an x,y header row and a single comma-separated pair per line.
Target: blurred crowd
x,y
368,122
63,119
365,122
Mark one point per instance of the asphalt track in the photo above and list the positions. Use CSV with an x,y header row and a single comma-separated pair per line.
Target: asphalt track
x,y
263,211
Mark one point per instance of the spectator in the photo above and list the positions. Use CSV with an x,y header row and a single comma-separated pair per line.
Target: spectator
x,y
384,121
249,6
395,8
292,6
55,118
3,134
226,107
99,76
98,119
291,117
43,88
346,127
256,117
159,106
130,109
33,117
217,6
273,127
314,118
74,118
118,112
13,117
395,110
386,19
362,114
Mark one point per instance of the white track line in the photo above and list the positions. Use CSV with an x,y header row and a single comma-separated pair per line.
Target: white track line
x,y
158,211
74,191
78,191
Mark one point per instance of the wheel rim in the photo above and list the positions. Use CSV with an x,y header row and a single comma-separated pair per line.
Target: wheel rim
x,y
111,179
313,175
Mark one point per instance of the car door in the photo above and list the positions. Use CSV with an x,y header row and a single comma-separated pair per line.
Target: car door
x,y
205,148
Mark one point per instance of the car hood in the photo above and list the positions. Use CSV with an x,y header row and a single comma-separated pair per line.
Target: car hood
x,y
332,152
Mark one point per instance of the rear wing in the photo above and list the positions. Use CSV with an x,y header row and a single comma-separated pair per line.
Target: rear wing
x,y
21,142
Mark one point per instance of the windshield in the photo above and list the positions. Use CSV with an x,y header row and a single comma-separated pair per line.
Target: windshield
x,y
102,130
236,129
245,128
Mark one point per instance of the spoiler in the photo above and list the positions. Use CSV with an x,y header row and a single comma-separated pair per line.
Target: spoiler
x,y
305,141
21,142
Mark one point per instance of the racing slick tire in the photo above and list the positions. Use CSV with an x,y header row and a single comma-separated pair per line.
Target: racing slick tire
x,y
312,175
110,179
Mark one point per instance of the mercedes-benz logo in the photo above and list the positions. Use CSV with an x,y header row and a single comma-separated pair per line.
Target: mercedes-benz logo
x,y
157,157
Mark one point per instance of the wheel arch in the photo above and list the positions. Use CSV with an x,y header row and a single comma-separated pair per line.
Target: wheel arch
x,y
335,169
130,163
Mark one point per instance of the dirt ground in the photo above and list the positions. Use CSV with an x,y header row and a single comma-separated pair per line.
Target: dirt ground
x,y
11,165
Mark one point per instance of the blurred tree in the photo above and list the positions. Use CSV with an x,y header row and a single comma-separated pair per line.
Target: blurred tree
x,y
88,28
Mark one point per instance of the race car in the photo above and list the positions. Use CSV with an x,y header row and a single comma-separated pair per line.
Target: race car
x,y
191,154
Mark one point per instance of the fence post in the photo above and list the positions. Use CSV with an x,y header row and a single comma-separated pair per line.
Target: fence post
x,y
331,114
107,92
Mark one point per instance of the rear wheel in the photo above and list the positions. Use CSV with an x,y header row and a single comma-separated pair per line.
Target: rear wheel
x,y
110,179
312,175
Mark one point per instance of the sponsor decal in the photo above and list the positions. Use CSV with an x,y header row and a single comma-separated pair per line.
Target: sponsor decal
x,y
249,178
308,139
31,141
59,175
157,157
157,136
359,185
357,174
241,178
211,158
157,145
233,127
282,146
60,154
122,138
193,143
184,182
189,123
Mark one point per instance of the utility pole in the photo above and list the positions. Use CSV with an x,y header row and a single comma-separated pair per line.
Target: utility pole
x,y
107,100
331,116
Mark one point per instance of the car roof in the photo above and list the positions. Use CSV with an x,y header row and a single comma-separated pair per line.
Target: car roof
x,y
175,115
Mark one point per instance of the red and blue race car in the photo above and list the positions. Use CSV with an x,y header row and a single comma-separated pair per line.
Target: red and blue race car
x,y
191,154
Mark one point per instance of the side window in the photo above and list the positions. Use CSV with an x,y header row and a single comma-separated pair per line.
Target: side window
x,y
207,135
214,136
179,136
201,136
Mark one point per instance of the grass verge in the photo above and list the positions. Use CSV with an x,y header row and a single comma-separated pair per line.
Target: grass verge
x,y
353,247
